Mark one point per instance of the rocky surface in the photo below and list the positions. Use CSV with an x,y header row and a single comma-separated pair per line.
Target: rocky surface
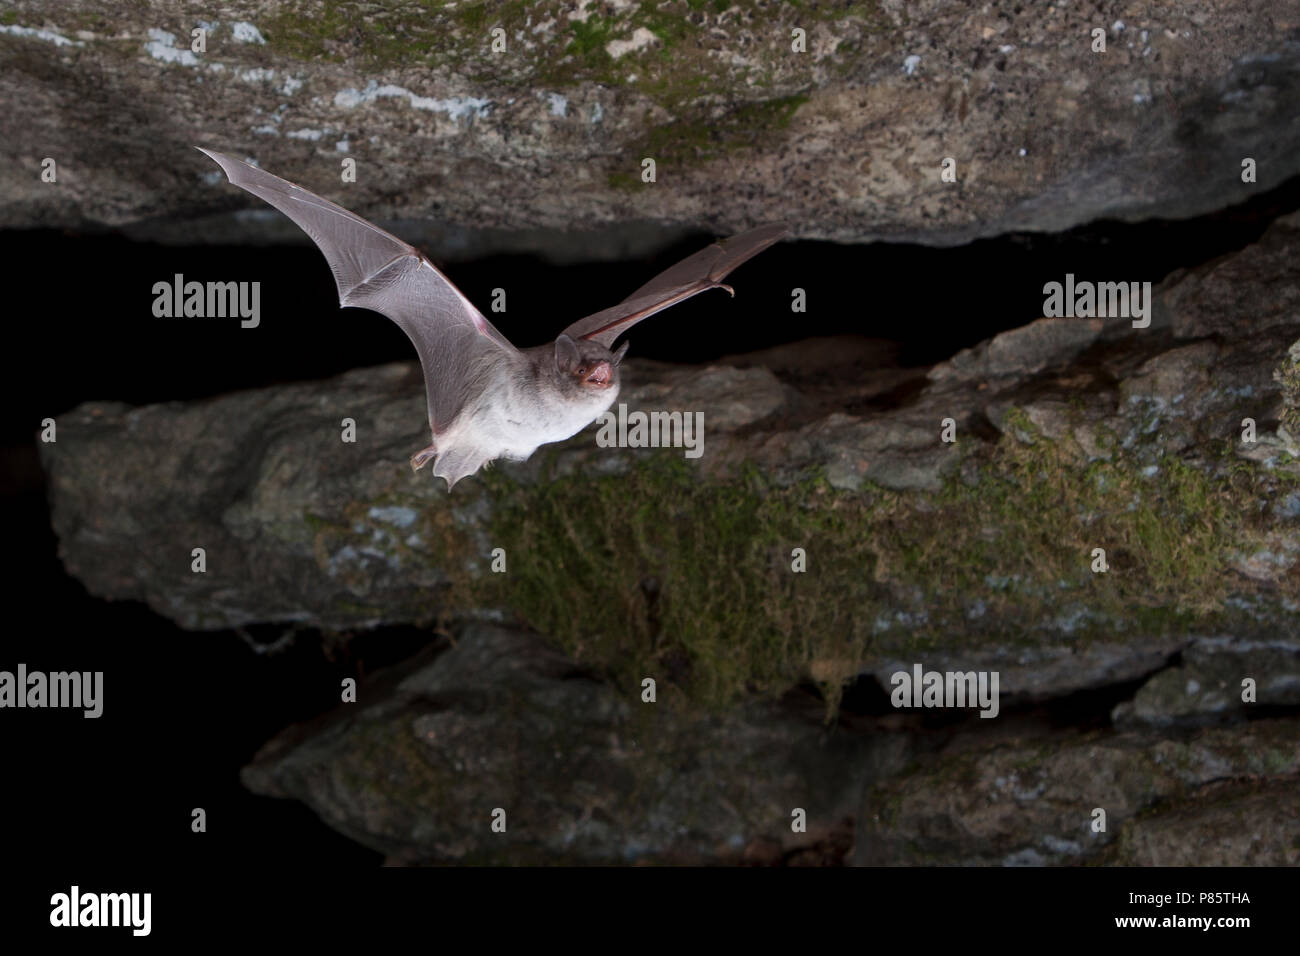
x,y
539,147
1122,691
1096,426
1206,686
1256,284
1114,531
1246,823
1034,802
584,774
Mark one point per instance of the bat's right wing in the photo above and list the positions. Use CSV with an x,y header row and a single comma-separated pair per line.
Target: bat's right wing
x,y
694,274
375,270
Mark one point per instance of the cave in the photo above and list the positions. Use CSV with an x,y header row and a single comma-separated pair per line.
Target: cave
x,y
919,454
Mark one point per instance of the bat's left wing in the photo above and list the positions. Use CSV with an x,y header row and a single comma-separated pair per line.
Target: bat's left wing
x,y
375,270
695,274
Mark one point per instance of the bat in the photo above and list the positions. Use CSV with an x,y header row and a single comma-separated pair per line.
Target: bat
x,y
487,399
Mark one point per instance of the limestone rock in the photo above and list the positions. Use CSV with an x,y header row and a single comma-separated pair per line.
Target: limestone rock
x,y
1031,802
584,774
485,149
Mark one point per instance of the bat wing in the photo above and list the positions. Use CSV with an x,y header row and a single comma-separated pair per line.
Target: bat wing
x,y
694,274
376,270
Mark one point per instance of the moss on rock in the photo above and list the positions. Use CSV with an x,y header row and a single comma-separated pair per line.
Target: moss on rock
x,y
655,573
1288,376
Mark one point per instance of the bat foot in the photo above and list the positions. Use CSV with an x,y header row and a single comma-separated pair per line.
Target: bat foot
x,y
421,458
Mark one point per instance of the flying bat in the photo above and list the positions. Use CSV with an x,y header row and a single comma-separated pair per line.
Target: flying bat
x,y
487,399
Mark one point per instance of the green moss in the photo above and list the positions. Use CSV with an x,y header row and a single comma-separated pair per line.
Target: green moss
x,y
472,16
868,10
656,573
667,23
306,31
1288,376
640,578
680,73
1277,761
589,39
624,181
482,17
675,72
690,142
318,524
338,30
8,17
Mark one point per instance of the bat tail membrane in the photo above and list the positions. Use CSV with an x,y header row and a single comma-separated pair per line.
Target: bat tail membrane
x,y
457,463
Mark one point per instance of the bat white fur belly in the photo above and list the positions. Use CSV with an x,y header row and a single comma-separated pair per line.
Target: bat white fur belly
x,y
512,420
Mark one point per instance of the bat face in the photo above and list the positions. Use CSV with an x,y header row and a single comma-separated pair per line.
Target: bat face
x,y
586,370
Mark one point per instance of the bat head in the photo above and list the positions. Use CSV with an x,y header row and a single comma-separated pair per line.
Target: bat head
x,y
586,367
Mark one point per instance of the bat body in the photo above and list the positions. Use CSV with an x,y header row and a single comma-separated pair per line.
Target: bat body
x,y
515,405
487,399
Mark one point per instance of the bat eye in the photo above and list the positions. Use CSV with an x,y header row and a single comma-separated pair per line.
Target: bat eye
x,y
582,370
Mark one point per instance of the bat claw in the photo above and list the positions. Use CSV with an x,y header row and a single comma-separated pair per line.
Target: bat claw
x,y
730,290
421,458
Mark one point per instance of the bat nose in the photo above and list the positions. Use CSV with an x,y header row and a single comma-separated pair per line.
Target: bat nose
x,y
600,374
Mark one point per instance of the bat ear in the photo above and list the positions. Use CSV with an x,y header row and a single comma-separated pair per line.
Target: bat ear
x,y
566,354
618,356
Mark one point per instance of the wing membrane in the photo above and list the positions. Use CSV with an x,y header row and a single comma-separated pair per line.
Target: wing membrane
x,y
375,270
695,274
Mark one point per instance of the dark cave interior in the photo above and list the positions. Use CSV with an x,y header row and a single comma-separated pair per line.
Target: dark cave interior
x,y
108,346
